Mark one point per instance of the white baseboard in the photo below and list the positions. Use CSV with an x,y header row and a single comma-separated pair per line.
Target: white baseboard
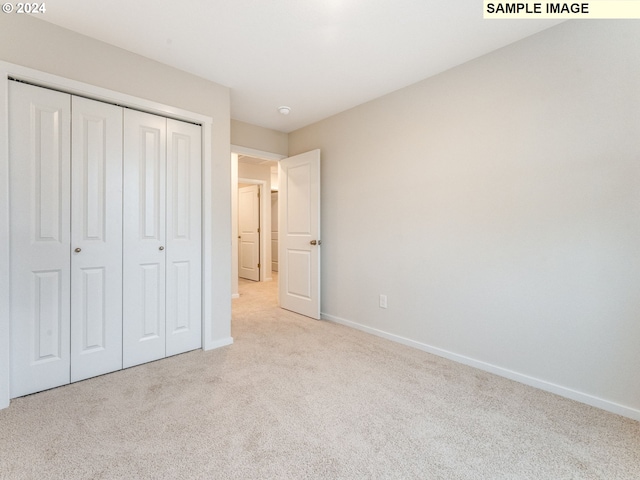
x,y
503,372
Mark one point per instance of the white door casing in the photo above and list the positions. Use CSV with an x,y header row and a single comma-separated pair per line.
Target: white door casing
x,y
96,238
248,231
299,233
183,238
39,238
143,338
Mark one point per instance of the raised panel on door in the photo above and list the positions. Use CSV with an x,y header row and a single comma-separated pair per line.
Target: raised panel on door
x,y
299,233
144,238
184,245
248,231
39,152
96,239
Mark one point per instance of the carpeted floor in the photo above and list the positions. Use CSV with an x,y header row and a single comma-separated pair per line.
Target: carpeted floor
x,y
295,398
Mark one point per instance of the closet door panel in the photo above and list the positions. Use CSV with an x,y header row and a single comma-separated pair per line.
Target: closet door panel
x,y
144,238
39,153
96,239
184,212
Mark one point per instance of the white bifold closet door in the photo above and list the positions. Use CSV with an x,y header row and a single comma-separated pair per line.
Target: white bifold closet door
x,y
145,164
96,238
184,237
162,239
66,238
39,152
105,233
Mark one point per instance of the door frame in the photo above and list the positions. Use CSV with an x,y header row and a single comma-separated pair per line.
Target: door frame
x,y
36,77
235,151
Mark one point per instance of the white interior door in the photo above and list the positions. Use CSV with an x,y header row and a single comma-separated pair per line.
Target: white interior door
x,y
299,233
249,232
274,231
184,270
96,238
39,151
144,238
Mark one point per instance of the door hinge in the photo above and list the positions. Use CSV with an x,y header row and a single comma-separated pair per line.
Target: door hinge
x,y
258,229
258,193
258,265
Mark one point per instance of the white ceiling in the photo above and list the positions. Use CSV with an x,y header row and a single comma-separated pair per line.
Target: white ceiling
x,y
319,57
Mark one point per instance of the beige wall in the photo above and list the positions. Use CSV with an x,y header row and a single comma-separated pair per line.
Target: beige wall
x,y
27,41
255,172
498,207
259,138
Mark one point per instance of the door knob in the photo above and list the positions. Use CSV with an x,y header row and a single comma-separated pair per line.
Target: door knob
x,y
161,248
313,242
78,250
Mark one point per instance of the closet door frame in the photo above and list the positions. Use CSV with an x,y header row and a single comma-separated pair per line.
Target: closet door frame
x,y
11,71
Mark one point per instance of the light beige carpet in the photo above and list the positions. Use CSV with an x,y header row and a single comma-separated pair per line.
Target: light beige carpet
x,y
295,398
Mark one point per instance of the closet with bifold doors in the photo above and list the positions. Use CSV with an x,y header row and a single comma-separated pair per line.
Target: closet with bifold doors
x,y
105,237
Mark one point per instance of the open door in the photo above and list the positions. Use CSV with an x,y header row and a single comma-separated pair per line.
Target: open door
x,y
249,232
299,232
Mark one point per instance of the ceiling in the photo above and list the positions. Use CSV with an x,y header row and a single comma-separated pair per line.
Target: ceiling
x,y
319,57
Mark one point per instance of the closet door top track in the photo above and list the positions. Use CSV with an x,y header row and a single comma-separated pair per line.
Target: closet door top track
x,y
17,80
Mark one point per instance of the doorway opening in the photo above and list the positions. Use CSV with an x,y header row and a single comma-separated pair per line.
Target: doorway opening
x,y
254,178
298,203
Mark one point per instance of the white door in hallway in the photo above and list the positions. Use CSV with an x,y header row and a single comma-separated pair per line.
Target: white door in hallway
x,y
299,233
249,232
274,231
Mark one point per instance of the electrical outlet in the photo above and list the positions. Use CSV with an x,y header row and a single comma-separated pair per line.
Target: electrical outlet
x,y
383,301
